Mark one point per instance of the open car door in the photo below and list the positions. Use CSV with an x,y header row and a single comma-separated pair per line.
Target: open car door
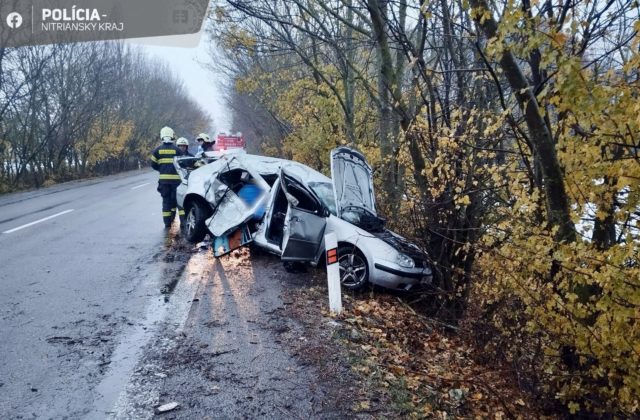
x,y
228,224
184,165
306,221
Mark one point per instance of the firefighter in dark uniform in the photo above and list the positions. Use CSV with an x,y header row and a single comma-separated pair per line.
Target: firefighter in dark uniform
x,y
183,145
162,161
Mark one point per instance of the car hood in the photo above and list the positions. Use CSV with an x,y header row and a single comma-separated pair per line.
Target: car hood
x,y
352,180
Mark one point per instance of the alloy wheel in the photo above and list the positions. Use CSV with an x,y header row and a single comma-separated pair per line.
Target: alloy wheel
x,y
353,270
191,221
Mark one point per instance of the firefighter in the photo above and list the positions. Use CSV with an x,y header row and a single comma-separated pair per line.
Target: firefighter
x,y
183,145
162,161
207,144
200,140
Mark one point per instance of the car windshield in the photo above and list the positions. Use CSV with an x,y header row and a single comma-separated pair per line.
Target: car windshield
x,y
324,191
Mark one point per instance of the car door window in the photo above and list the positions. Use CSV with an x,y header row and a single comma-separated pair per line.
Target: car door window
x,y
299,197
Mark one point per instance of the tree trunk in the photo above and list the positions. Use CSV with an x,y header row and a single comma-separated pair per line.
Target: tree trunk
x,y
386,85
557,201
348,79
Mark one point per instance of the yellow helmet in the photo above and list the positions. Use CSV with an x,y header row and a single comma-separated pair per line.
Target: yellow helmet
x,y
182,142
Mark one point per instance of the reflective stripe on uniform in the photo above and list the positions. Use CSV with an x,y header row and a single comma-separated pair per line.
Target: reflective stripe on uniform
x,y
167,152
180,212
166,214
170,176
153,158
165,160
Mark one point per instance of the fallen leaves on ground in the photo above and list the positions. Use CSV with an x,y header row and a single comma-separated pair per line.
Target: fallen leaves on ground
x,y
424,371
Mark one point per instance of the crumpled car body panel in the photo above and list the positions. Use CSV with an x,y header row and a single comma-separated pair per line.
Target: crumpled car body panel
x,y
231,213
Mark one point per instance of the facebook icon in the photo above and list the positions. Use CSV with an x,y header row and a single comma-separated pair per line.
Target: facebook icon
x,y
14,20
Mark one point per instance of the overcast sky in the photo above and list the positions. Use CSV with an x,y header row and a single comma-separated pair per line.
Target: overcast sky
x,y
202,83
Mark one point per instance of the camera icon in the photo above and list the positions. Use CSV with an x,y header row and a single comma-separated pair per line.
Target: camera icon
x,y
185,18
14,20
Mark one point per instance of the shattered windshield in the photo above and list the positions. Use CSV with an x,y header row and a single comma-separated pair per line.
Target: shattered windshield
x,y
324,191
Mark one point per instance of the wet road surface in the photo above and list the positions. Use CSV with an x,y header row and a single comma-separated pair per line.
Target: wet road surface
x,y
87,333
226,360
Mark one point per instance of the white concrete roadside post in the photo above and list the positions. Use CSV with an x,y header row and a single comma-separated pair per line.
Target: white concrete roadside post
x,y
333,273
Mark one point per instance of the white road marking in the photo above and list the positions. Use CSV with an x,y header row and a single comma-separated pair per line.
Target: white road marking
x,y
38,221
140,186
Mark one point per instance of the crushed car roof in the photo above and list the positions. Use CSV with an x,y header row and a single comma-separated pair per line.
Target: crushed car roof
x,y
265,166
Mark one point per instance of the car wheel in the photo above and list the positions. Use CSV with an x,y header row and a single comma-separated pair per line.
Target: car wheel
x,y
354,274
195,228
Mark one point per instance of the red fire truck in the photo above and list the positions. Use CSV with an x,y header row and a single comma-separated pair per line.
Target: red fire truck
x,y
229,141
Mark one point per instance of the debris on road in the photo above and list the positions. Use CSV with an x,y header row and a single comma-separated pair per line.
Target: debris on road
x,y
60,339
204,245
167,407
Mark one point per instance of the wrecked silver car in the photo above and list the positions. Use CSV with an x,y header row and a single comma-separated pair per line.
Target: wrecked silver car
x,y
286,208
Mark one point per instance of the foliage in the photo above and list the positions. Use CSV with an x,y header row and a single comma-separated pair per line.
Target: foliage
x,y
409,359
580,299
69,110
504,140
104,143
315,122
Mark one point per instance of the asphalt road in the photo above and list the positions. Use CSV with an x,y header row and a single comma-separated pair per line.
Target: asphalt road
x,y
85,331
78,274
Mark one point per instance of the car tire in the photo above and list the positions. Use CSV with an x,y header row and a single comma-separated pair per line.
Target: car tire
x,y
195,228
353,268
